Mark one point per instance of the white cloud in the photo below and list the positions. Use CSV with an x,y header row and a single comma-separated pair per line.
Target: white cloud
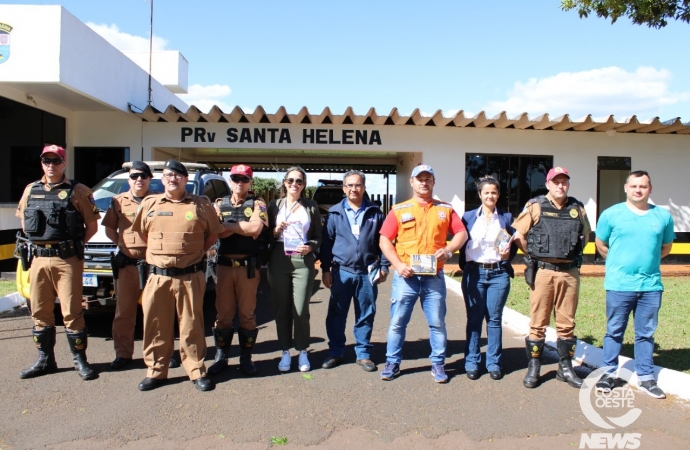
x,y
600,92
205,97
126,42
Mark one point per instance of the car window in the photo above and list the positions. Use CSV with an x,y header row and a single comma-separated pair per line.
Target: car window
x,y
208,190
221,188
328,196
104,191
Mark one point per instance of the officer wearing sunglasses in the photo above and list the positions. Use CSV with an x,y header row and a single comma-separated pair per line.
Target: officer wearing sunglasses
x,y
243,239
132,250
58,215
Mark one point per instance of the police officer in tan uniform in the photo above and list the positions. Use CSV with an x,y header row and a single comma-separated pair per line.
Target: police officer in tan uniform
x,y
179,228
553,230
58,215
132,251
243,239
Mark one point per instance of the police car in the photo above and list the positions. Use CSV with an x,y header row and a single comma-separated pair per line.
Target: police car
x,y
98,275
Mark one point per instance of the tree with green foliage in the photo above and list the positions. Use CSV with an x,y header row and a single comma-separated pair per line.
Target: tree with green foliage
x,y
653,13
262,184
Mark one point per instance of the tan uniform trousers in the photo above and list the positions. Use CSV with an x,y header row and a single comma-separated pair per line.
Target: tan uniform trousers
x,y
125,320
557,292
162,297
51,277
236,292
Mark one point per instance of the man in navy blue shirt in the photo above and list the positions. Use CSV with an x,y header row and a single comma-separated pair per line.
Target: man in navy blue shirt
x,y
350,260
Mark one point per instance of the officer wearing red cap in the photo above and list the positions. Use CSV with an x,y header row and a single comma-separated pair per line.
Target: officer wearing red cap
x,y
58,215
242,241
552,230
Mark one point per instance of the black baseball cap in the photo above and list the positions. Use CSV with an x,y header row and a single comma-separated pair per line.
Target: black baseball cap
x,y
176,166
141,165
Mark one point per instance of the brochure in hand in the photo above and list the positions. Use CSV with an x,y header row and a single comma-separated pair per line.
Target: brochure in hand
x,y
502,240
423,264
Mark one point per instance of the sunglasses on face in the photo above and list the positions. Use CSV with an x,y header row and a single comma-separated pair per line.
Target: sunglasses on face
x,y
240,179
53,161
297,181
135,175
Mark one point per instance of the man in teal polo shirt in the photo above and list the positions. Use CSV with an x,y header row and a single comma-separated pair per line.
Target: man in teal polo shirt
x,y
633,237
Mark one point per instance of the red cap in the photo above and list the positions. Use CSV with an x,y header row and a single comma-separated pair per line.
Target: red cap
x,y
242,169
54,149
556,171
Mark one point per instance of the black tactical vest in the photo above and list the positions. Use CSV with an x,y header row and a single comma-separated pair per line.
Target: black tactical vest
x,y
51,216
558,233
235,243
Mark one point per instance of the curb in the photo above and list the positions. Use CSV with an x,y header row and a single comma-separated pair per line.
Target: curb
x,y
671,381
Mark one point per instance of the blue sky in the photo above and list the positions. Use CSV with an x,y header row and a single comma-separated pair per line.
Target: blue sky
x,y
524,56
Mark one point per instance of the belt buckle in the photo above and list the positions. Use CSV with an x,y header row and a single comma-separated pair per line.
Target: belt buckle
x,y
235,263
48,246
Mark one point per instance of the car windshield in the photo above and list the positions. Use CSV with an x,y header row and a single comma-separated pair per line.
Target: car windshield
x,y
104,191
328,196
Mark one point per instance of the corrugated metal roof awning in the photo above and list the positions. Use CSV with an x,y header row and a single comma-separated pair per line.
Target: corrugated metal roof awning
x,y
521,122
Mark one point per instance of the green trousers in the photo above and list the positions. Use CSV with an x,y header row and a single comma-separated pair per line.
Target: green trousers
x,y
291,279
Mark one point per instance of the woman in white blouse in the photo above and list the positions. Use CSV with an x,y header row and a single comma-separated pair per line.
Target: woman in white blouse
x,y
296,225
485,260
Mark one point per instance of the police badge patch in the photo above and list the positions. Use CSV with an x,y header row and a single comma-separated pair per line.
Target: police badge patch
x,y
5,31
573,213
62,195
248,211
189,215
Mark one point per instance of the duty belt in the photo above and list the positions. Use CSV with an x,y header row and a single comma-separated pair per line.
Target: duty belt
x,y
225,261
53,250
174,271
127,261
558,267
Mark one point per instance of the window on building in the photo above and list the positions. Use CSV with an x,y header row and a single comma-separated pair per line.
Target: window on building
x,y
521,177
92,164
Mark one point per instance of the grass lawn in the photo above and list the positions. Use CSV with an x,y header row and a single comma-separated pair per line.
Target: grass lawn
x,y
7,287
672,338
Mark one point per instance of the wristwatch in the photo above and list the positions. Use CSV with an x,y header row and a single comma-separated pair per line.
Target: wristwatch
x,y
449,254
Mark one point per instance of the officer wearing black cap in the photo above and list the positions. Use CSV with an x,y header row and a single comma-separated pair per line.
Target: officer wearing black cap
x,y
58,215
132,252
179,228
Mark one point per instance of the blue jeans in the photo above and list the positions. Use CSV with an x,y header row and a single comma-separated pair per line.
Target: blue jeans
x,y
485,292
645,308
347,285
431,290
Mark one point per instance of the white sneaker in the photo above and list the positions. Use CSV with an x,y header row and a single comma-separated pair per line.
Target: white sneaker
x,y
304,365
285,362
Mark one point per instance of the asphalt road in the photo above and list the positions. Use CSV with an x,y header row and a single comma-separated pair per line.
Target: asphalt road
x,y
338,408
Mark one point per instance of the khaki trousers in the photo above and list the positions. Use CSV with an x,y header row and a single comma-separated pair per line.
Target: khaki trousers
x,y
125,320
51,277
236,293
555,292
162,297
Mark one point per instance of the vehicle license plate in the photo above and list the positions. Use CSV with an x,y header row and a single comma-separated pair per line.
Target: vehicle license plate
x,y
89,279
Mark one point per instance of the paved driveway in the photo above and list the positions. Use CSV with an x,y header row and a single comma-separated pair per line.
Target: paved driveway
x,y
339,408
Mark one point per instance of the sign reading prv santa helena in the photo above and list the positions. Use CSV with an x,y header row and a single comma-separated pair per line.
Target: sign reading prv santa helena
x,y
596,405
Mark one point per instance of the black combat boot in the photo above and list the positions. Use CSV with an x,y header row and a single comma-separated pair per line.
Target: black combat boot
x,y
223,338
566,350
78,343
534,352
45,342
247,341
